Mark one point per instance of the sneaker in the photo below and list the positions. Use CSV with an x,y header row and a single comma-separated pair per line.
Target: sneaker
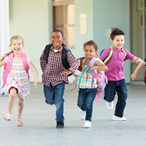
x,y
87,124
83,115
110,105
7,117
115,118
60,125
19,122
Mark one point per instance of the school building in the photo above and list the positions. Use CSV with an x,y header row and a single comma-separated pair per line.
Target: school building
x,y
80,20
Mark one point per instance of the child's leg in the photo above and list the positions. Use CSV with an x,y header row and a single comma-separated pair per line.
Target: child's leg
x,y
12,95
81,99
20,106
59,101
122,96
109,92
49,94
11,99
89,103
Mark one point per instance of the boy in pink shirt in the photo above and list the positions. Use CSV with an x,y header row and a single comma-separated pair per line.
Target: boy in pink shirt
x,y
115,73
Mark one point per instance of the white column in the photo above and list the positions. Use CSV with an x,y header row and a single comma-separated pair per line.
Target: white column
x,y
4,29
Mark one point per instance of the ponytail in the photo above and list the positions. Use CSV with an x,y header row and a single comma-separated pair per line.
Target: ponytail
x,y
7,54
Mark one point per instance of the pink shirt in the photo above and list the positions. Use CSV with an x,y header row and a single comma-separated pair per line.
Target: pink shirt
x,y
115,64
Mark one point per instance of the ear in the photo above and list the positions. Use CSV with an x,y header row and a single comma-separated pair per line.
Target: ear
x,y
112,41
63,38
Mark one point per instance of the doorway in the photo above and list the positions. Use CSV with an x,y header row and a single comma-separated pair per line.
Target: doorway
x,y
138,33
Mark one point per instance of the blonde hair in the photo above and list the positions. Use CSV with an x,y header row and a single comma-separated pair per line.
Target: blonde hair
x,y
10,44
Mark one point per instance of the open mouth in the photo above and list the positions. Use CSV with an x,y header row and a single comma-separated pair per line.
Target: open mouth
x,y
17,50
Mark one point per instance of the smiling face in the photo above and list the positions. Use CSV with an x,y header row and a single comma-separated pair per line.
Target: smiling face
x,y
17,46
57,40
118,41
89,51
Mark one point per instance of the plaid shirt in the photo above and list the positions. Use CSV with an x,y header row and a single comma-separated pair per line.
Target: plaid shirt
x,y
52,71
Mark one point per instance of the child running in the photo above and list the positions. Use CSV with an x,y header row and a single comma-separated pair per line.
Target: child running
x,y
55,72
86,83
16,77
115,73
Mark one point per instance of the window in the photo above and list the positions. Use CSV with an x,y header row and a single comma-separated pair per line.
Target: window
x,y
64,20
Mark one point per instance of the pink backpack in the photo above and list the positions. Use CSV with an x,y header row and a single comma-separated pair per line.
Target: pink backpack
x,y
99,75
7,67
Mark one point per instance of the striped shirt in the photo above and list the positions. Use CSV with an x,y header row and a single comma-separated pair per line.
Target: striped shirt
x,y
53,70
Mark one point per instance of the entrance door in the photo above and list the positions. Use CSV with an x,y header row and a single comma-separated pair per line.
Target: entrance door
x,y
138,33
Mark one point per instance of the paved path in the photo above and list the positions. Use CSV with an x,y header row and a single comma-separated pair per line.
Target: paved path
x,y
40,127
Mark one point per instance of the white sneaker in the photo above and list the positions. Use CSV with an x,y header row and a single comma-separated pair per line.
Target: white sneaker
x,y
83,115
87,124
110,105
115,118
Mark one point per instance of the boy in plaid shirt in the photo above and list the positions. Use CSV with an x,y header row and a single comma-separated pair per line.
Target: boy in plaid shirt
x,y
55,75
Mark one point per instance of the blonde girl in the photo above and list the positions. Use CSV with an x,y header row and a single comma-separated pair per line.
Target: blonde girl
x,y
17,80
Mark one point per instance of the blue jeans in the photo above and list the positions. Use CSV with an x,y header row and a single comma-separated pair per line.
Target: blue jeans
x,y
54,95
85,101
110,90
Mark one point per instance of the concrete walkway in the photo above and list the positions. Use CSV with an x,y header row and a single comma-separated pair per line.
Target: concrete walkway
x,y
40,126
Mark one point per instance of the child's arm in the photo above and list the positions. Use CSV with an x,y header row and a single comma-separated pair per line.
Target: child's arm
x,y
137,60
137,69
99,66
80,67
2,63
42,61
35,73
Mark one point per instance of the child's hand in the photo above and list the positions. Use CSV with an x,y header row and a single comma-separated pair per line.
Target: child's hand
x,y
66,73
35,83
133,76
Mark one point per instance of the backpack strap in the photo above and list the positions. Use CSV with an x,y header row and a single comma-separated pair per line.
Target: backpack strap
x,y
47,51
125,53
7,68
25,63
91,63
64,56
109,56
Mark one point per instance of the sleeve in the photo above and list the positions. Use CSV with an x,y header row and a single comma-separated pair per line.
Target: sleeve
x,y
29,60
42,62
105,54
128,55
6,59
145,60
74,64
